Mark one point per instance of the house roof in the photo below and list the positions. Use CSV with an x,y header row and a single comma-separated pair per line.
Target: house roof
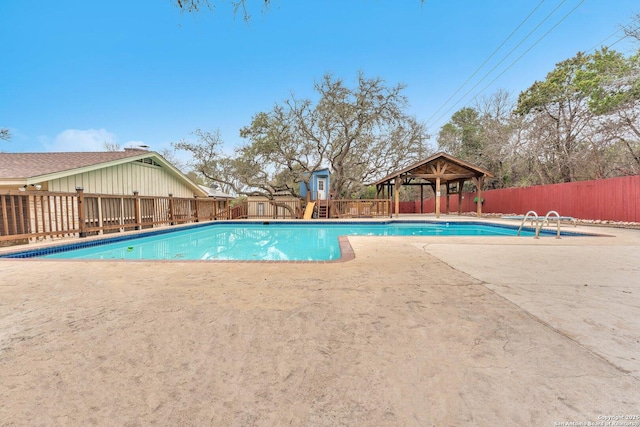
x,y
30,165
28,168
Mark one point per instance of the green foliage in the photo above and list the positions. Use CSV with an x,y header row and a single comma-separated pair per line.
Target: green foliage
x,y
195,177
586,106
610,80
366,192
361,133
208,160
461,136
581,122
5,134
558,88
194,6
606,78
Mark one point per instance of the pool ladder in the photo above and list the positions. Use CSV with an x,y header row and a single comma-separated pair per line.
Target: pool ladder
x,y
540,223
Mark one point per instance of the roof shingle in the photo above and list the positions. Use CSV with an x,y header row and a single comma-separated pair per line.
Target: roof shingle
x,y
27,165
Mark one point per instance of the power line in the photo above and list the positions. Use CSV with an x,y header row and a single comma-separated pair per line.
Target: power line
x,y
623,28
510,52
486,60
531,47
597,45
617,41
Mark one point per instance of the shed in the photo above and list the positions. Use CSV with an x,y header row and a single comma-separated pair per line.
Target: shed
x,y
278,206
319,185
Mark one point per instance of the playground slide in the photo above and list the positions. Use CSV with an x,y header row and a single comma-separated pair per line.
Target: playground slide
x,y
308,211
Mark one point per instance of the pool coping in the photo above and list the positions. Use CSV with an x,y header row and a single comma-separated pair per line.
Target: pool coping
x,y
346,250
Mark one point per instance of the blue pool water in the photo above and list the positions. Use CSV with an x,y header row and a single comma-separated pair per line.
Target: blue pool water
x,y
273,242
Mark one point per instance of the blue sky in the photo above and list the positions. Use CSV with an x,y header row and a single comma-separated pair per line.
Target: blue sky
x,y
77,73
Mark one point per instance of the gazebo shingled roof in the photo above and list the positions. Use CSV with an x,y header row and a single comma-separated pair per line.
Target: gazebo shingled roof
x,y
441,168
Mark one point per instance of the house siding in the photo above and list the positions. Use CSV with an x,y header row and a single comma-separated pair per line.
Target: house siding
x,y
123,179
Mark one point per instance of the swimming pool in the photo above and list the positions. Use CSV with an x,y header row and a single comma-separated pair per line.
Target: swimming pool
x,y
275,241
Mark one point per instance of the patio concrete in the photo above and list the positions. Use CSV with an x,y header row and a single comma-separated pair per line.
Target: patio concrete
x,y
425,331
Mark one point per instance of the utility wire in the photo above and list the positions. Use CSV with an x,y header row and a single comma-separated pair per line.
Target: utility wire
x,y
512,50
504,58
486,60
618,41
597,45
531,47
624,28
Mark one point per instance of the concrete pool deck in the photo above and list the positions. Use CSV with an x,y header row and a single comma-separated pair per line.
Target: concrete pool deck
x,y
441,331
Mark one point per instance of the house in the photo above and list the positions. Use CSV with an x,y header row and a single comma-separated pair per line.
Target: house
x,y
319,185
47,195
111,172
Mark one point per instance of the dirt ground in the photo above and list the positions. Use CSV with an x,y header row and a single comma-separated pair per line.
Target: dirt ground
x,y
395,337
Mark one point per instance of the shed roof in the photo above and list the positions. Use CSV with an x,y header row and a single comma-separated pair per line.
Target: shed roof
x,y
216,192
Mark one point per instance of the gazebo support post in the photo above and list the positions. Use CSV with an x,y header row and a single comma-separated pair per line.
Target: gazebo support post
x,y
447,193
421,198
438,197
460,185
479,181
396,187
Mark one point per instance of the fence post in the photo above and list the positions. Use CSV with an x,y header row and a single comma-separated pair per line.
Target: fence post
x,y
170,209
121,221
5,219
136,208
196,210
100,214
81,216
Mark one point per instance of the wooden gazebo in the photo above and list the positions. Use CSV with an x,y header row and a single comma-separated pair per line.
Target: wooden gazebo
x,y
435,171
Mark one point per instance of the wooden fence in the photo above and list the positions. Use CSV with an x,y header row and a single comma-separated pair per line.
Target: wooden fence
x,y
35,215
268,209
292,209
27,216
614,199
366,208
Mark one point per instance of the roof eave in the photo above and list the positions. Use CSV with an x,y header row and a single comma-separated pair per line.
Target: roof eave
x,y
19,182
462,163
197,191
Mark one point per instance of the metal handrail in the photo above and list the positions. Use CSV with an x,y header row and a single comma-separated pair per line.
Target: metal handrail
x,y
533,214
546,221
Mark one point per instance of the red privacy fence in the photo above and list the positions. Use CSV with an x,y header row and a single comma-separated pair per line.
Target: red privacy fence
x,y
614,199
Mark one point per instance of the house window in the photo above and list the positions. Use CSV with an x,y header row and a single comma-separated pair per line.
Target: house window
x,y
260,209
321,185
